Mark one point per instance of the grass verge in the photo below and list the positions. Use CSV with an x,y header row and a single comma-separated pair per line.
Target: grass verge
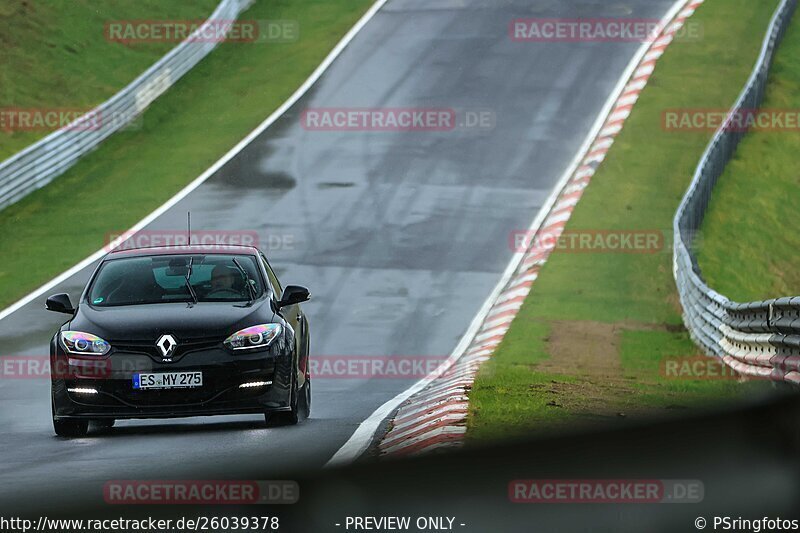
x,y
591,342
750,246
55,54
192,125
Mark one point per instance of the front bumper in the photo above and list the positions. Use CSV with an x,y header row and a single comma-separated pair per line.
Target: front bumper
x,y
223,373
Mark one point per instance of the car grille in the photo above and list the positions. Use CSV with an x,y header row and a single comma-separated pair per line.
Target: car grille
x,y
184,347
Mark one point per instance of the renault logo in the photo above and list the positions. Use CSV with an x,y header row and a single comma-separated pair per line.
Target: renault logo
x,y
167,344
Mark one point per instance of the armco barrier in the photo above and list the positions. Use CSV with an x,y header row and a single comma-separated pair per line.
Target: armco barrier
x,y
759,339
43,161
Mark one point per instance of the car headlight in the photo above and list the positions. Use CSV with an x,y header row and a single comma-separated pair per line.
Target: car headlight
x,y
260,336
80,343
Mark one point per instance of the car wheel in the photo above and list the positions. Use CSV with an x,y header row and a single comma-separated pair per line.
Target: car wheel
x,y
285,418
305,399
64,427
70,428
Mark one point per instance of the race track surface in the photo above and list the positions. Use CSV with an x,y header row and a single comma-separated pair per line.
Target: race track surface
x,y
400,235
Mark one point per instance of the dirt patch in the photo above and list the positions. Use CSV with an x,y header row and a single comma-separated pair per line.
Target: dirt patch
x,y
588,353
588,349
674,300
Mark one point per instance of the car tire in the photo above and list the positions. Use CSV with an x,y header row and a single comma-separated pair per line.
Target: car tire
x,y
285,418
305,399
70,428
65,427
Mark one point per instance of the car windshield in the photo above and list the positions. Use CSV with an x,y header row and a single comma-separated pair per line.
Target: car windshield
x,y
163,279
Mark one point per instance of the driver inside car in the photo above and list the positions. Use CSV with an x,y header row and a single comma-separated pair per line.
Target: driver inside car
x,y
223,280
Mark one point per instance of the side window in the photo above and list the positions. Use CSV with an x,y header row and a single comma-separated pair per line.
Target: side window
x,y
273,279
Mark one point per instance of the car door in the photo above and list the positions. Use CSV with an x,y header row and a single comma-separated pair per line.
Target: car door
x,y
295,318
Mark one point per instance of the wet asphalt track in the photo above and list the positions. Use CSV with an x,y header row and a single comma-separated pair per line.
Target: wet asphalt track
x,y
400,236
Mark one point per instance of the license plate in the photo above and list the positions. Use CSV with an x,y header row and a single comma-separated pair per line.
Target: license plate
x,y
168,380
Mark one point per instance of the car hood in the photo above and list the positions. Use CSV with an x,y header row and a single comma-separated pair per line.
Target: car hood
x,y
148,322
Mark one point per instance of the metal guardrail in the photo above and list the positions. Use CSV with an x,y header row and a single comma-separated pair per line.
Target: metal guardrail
x,y
48,158
759,339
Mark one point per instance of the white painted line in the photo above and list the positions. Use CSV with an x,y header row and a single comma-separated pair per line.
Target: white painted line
x,y
337,50
360,440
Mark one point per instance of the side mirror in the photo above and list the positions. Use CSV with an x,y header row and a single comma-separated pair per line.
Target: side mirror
x,y
60,303
294,294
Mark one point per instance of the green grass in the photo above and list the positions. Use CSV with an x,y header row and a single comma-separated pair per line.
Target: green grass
x,y
55,54
588,342
192,125
750,246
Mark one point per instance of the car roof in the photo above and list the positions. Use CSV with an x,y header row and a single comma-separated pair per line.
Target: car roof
x,y
227,249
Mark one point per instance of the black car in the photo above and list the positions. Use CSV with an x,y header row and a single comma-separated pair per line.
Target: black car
x,y
177,332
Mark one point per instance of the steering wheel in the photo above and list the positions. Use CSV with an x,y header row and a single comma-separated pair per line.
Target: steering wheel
x,y
222,293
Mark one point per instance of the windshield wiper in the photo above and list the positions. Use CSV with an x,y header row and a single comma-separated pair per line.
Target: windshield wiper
x,y
188,283
250,287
